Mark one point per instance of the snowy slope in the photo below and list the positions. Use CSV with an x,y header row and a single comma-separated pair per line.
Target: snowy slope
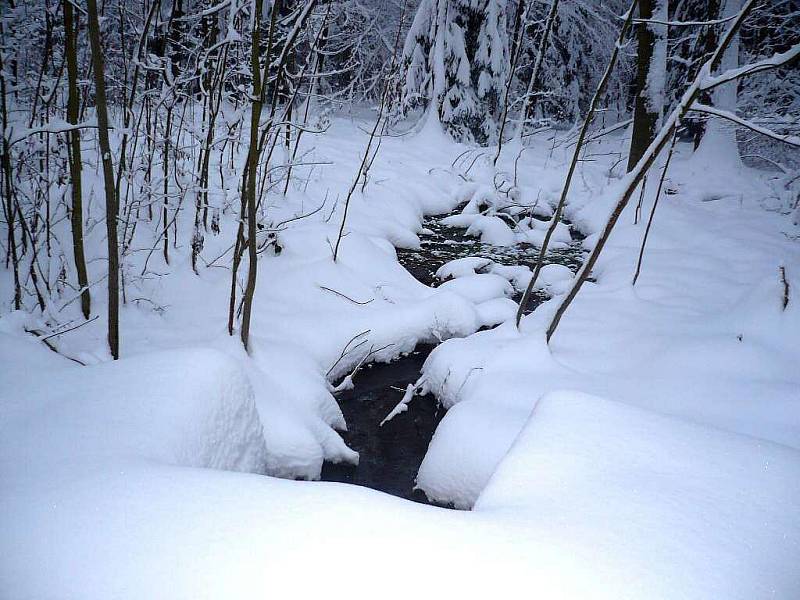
x,y
703,335
124,480
664,508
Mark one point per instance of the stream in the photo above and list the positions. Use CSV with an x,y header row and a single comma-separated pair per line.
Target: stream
x,y
390,456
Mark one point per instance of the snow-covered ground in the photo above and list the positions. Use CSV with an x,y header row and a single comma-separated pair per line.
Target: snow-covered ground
x,y
652,451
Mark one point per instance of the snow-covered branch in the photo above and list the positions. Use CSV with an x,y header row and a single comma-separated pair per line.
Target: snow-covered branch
x,y
792,140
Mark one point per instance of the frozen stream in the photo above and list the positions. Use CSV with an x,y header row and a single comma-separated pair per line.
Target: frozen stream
x,y
390,455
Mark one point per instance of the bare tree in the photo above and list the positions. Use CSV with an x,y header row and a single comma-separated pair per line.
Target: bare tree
x,y
598,94
703,82
112,209
650,72
75,158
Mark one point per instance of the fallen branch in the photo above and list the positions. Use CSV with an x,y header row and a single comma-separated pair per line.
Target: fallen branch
x,y
792,140
347,382
52,347
411,390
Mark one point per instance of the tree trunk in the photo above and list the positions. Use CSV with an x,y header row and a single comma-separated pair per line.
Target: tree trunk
x,y
73,106
249,184
650,71
8,190
108,179
529,104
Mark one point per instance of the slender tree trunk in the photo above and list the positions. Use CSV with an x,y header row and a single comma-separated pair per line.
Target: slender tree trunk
x,y
251,177
653,209
8,190
598,94
252,158
650,71
108,179
529,104
73,106
165,169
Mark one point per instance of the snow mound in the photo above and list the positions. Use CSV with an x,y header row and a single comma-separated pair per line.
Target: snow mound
x,y
462,267
689,511
452,472
492,230
192,408
479,288
555,279
496,311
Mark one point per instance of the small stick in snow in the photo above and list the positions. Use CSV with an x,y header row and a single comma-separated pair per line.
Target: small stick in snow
x,y
402,406
347,382
327,289
347,349
785,287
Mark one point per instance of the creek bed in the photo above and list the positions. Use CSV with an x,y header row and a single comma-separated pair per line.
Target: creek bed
x,y
390,456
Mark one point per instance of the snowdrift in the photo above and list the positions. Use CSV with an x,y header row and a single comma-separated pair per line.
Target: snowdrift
x,y
661,508
191,408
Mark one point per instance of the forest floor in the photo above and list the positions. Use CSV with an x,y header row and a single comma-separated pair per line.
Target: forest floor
x,y
652,450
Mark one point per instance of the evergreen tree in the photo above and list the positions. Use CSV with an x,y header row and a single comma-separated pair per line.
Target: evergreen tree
x,y
455,63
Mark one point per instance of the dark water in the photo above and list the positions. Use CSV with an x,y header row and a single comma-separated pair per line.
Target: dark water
x,y
390,456
445,243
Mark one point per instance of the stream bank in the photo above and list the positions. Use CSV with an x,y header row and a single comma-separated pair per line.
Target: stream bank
x,y
390,455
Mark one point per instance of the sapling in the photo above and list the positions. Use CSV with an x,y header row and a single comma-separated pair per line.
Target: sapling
x,y
703,82
108,179
598,94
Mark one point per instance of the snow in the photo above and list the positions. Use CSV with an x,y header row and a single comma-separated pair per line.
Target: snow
x,y
669,508
650,451
191,408
461,267
491,230
480,287
495,311
702,337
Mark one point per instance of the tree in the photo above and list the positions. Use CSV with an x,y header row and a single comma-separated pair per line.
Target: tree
x,y
455,65
112,210
719,138
75,159
651,64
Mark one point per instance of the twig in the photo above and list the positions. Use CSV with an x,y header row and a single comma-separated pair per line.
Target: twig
x,y
327,289
785,287
345,349
78,326
52,347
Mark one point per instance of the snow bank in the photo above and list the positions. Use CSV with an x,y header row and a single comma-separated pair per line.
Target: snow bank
x,y
666,509
191,408
452,472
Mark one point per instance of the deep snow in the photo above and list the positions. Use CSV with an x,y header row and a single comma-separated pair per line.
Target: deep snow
x,y
678,477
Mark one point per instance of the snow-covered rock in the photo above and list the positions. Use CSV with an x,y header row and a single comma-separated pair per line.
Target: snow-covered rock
x,y
479,288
